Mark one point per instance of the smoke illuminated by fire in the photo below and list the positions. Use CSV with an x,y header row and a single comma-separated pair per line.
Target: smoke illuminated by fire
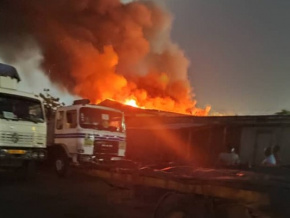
x,y
101,49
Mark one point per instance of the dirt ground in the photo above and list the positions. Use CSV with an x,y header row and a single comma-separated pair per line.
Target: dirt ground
x,y
78,196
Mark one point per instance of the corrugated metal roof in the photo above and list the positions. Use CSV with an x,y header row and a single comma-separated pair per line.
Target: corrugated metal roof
x,y
154,119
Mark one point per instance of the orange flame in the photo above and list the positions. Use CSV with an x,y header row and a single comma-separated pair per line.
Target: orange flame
x,y
152,91
131,102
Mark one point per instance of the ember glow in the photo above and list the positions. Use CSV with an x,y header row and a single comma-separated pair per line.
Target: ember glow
x,y
104,49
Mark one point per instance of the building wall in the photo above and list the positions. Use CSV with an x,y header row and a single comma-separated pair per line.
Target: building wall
x,y
156,145
284,142
202,144
255,139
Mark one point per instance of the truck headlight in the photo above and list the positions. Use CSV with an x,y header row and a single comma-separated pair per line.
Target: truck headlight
x,y
3,152
41,155
34,155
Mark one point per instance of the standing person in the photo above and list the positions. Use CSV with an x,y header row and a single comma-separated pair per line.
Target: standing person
x,y
269,157
231,158
276,153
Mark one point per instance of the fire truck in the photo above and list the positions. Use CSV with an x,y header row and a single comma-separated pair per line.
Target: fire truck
x,y
84,134
22,125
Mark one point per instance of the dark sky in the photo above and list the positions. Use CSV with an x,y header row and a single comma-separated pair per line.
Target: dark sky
x,y
239,52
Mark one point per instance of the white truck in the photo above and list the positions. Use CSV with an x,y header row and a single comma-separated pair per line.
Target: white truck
x,y
22,124
85,134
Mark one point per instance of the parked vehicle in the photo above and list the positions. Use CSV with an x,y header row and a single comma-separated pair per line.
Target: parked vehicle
x,y
85,134
22,124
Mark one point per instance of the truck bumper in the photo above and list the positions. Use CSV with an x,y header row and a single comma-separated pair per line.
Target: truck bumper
x,y
11,154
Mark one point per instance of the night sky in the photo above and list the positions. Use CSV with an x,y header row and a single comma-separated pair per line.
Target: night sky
x,y
239,53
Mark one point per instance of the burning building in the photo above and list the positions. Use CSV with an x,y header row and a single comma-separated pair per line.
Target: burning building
x,y
159,136
100,49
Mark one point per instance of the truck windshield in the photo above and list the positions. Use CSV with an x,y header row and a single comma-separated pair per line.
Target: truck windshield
x,y
13,107
94,118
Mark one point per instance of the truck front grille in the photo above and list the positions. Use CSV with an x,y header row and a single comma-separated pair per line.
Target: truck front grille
x,y
106,147
16,138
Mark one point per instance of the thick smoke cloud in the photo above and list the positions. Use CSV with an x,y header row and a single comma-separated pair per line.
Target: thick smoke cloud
x,y
102,49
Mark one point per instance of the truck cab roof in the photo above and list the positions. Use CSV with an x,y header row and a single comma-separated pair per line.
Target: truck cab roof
x,y
77,106
19,93
9,71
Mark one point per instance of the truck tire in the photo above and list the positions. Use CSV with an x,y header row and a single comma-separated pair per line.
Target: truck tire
x,y
173,205
61,163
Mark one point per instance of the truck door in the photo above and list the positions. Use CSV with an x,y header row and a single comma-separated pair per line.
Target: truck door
x,y
66,129
70,130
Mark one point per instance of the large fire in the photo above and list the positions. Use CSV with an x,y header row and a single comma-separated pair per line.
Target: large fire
x,y
104,49
131,102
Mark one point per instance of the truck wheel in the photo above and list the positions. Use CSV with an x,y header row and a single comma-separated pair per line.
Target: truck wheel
x,y
181,206
61,164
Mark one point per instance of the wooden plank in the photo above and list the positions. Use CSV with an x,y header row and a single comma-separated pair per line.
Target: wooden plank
x,y
219,191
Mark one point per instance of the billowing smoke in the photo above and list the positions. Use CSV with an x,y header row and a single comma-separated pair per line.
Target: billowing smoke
x,y
101,49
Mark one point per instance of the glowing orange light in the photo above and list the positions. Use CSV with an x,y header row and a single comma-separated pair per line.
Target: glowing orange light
x,y
131,102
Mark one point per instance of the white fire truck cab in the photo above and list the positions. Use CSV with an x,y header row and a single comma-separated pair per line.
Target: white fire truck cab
x,y
84,133
22,124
